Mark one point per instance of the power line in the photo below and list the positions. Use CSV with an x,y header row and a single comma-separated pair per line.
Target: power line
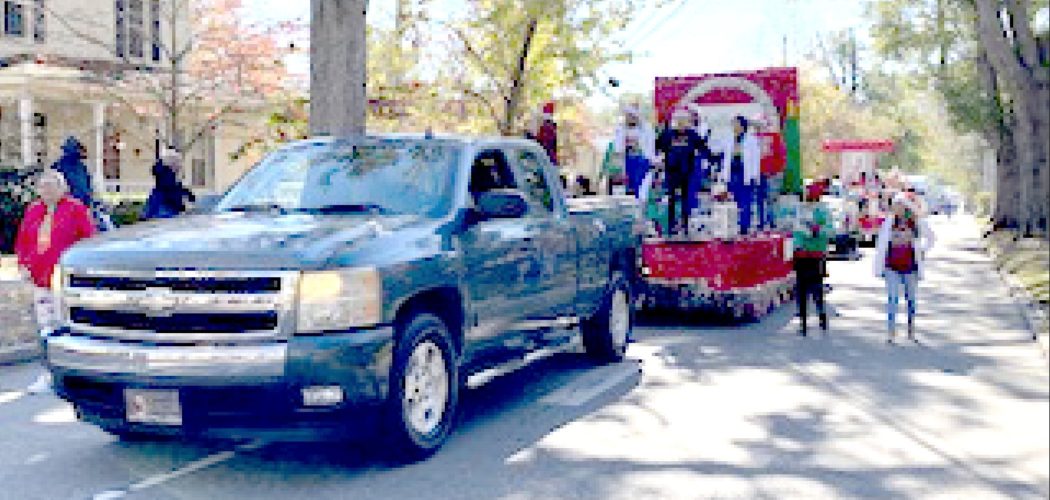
x,y
642,25
640,39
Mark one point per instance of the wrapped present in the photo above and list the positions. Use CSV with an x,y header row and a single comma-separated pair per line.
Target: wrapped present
x,y
724,221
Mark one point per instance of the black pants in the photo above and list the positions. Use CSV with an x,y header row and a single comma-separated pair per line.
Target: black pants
x,y
678,194
809,281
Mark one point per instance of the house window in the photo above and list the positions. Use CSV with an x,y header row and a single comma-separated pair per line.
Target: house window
x,y
14,19
39,17
39,137
203,169
111,154
154,23
120,28
135,38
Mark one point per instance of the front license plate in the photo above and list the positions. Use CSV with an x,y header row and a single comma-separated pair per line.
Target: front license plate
x,y
153,406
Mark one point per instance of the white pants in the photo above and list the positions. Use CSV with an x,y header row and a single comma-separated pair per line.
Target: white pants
x,y
47,318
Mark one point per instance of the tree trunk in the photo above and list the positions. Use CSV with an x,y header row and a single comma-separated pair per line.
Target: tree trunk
x,y
1005,211
1010,62
1007,192
513,101
338,59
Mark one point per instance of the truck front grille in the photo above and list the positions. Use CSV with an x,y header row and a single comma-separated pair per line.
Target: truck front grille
x,y
203,285
182,307
176,322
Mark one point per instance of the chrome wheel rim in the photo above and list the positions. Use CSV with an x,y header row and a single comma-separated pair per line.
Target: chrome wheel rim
x,y
426,388
619,318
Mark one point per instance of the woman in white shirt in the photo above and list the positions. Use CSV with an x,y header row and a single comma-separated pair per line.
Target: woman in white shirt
x,y
636,141
741,168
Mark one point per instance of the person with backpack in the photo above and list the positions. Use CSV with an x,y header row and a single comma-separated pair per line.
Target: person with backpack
x,y
900,250
78,178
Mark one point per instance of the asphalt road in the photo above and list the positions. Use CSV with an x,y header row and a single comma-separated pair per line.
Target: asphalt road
x,y
701,411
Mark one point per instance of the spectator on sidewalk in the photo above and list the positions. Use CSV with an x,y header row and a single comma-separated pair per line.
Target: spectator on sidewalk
x,y
78,178
167,199
51,225
811,249
900,250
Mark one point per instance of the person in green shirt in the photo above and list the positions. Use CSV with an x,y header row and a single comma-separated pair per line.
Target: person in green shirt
x,y
810,240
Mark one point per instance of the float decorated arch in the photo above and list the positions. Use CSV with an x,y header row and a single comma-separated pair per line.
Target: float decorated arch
x,y
773,91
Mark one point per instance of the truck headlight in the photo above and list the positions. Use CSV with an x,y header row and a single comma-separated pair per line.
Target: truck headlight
x,y
58,286
339,300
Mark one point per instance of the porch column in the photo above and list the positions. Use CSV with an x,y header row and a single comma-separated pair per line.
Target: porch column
x,y
99,109
25,117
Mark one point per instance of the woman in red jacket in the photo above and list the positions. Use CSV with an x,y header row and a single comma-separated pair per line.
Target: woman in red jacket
x,y
50,226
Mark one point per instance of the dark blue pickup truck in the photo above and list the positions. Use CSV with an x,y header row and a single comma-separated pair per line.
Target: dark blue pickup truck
x,y
339,285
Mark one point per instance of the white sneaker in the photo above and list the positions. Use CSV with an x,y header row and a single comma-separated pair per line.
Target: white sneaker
x,y
42,384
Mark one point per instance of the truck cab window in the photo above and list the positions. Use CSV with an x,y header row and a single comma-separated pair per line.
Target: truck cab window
x,y
490,171
535,183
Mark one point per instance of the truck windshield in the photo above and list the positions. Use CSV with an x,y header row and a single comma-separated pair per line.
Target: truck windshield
x,y
346,177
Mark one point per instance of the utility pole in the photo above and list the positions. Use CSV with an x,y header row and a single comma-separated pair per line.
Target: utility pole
x,y
338,58
853,62
785,51
941,42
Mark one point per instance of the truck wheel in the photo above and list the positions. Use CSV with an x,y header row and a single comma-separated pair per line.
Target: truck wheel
x,y
424,388
605,334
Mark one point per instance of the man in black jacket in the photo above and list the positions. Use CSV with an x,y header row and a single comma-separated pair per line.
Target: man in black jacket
x,y
681,146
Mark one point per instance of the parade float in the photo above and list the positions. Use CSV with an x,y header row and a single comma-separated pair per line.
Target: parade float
x,y
863,180
712,266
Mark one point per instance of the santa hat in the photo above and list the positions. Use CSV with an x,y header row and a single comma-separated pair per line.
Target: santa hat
x,y
548,110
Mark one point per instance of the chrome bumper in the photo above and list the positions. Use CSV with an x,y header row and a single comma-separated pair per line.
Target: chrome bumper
x,y
103,356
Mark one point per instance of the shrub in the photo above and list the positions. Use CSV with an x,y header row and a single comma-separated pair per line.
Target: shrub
x,y
126,212
16,191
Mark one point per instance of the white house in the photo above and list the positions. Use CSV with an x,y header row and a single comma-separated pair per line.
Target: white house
x,y
57,58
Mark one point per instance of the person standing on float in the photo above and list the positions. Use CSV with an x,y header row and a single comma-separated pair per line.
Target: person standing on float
x,y
680,146
741,169
636,142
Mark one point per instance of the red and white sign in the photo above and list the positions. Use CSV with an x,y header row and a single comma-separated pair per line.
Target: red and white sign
x,y
860,145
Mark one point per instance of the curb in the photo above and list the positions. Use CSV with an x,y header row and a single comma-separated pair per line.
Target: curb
x,y
20,353
1031,311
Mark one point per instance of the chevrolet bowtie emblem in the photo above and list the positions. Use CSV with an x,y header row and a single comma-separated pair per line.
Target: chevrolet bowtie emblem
x,y
158,302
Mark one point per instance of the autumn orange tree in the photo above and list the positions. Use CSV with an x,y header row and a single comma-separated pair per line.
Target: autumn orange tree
x,y
213,67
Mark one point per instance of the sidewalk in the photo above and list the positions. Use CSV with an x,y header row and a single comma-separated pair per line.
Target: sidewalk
x,y
17,326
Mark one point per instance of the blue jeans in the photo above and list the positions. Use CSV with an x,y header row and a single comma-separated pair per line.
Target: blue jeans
x,y
762,197
743,194
637,167
894,282
697,183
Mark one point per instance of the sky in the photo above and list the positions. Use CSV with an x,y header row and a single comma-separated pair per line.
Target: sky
x,y
681,38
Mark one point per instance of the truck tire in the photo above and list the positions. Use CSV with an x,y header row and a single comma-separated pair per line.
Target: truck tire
x,y
424,388
605,334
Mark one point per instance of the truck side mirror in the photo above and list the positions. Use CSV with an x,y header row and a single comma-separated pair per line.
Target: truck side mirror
x,y
502,204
